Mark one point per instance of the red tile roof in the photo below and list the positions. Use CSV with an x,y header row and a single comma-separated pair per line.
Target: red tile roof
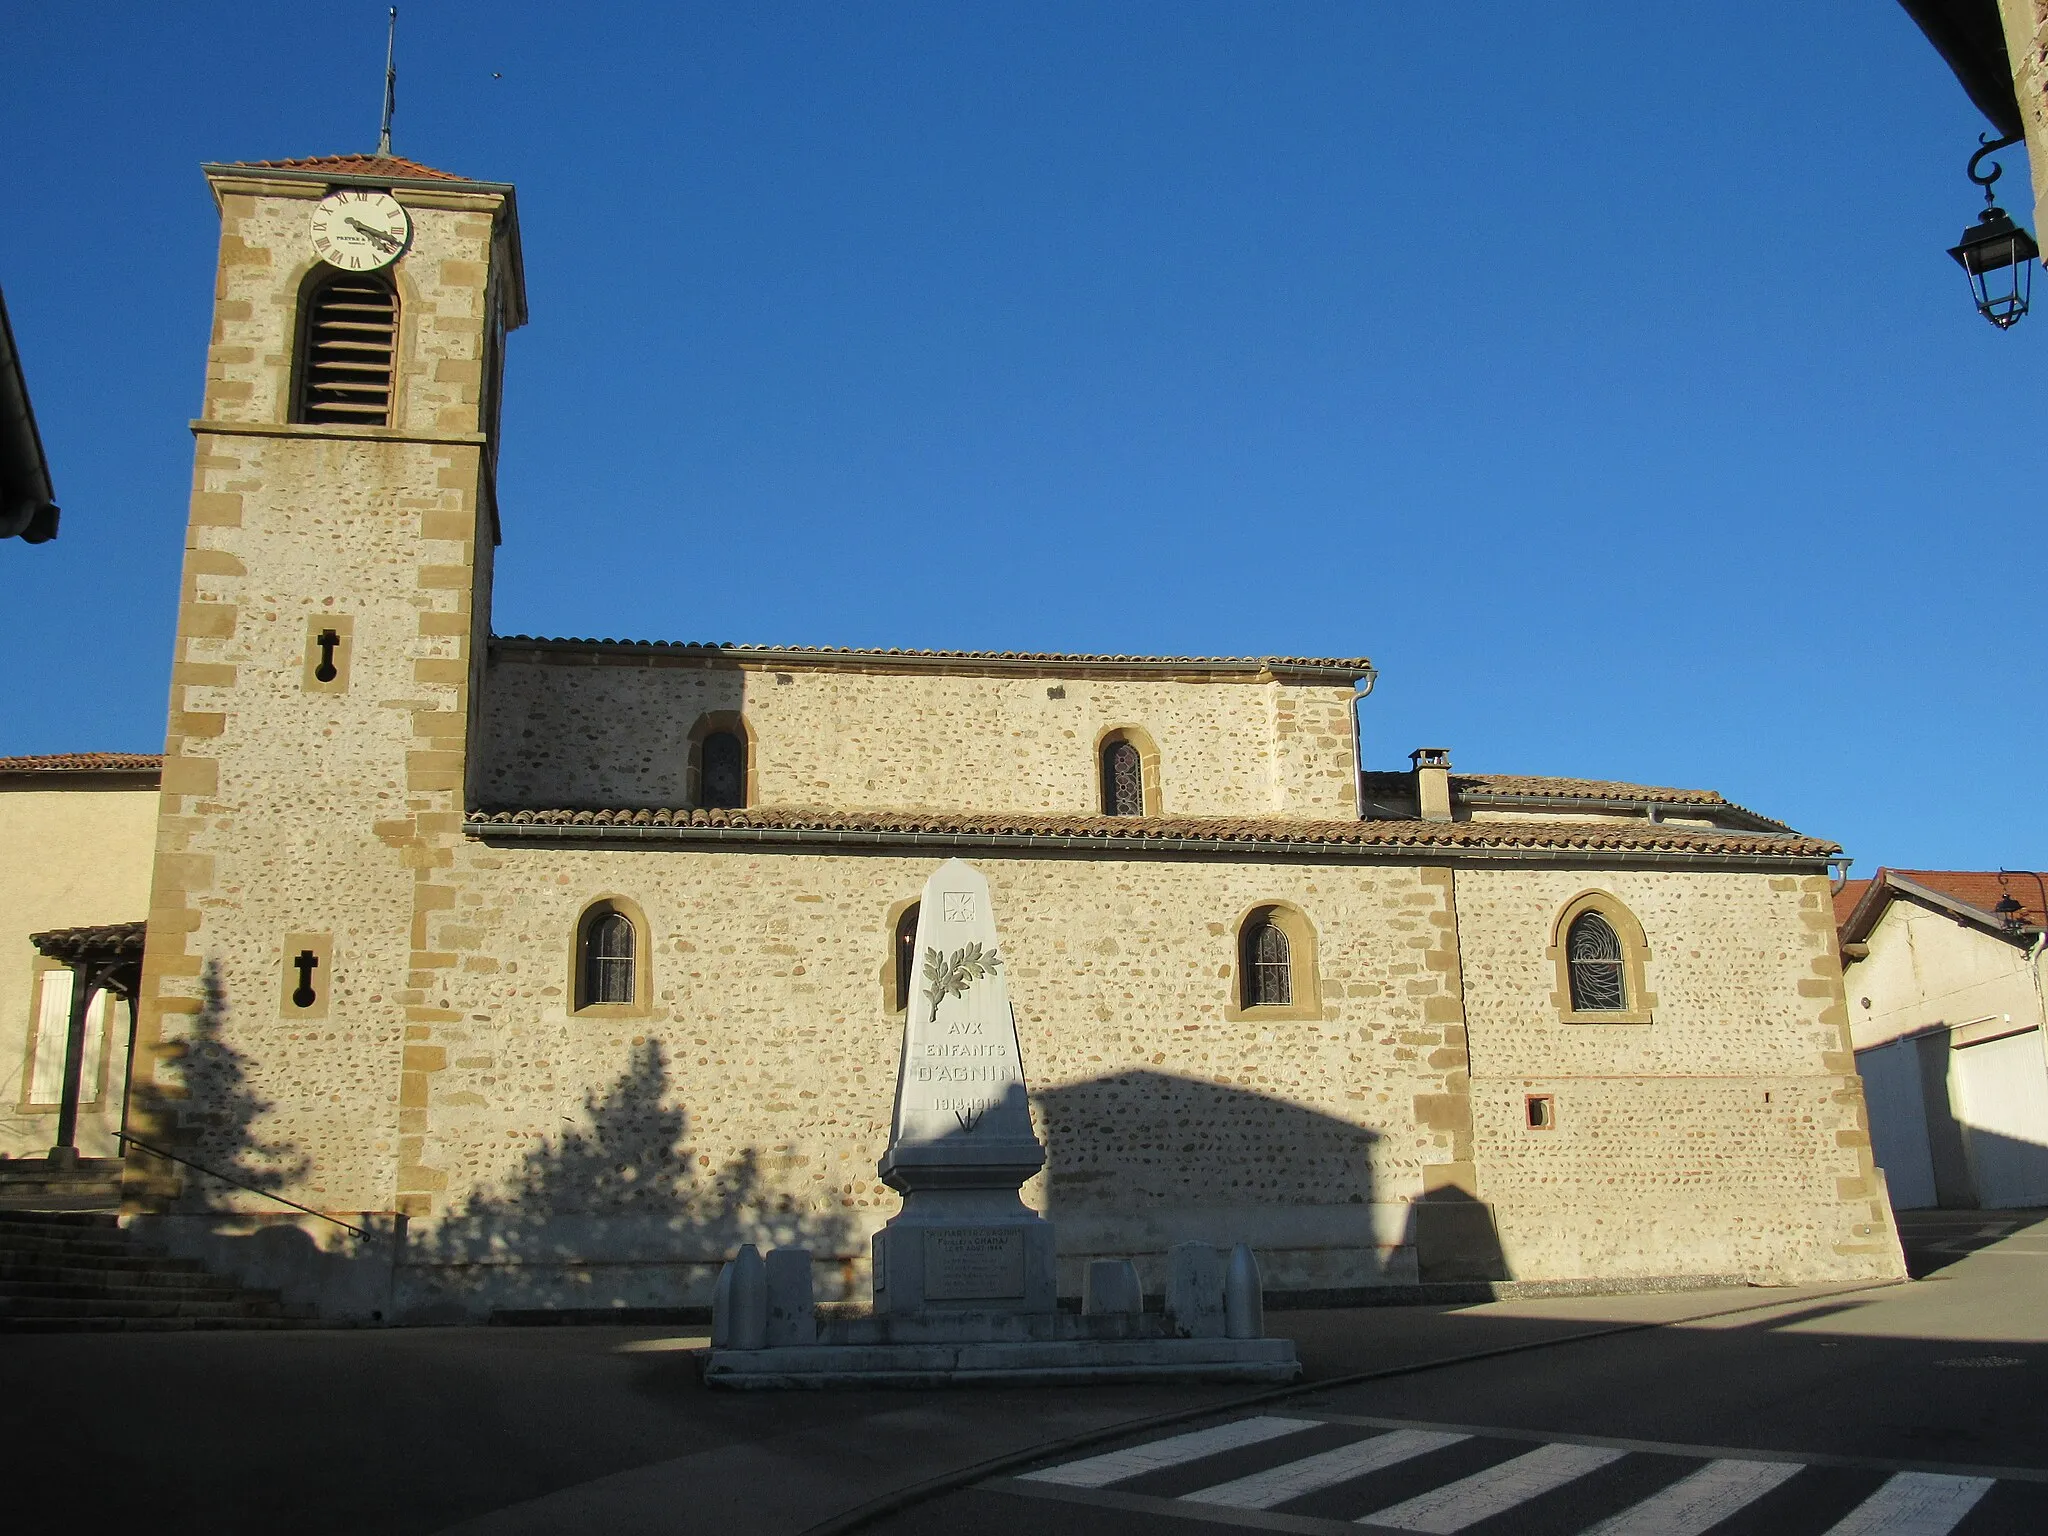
x,y
1491,788
1847,897
1221,834
382,167
1980,889
85,762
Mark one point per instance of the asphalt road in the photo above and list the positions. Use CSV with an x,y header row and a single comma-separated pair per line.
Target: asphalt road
x,y
1909,1411
520,1432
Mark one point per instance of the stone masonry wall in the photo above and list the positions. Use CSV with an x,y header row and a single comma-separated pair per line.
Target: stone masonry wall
x,y
292,815
1727,1136
617,734
769,1046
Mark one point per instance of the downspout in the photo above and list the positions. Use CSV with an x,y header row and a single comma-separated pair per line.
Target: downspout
x,y
1364,688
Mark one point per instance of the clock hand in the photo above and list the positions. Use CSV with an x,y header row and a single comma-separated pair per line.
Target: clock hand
x,y
377,235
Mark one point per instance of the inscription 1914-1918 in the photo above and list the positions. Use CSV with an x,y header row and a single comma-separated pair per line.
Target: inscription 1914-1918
x,y
973,1264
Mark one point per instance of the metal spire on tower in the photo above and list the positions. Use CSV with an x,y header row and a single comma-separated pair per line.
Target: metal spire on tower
x,y
390,84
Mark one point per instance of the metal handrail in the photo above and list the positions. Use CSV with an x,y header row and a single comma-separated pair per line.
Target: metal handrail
x,y
136,1141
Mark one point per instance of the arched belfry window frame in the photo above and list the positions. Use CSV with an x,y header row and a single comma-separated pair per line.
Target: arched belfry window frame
x,y
1126,772
721,771
346,366
1275,974
609,959
1598,953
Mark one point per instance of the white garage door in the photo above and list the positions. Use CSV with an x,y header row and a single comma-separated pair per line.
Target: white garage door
x,y
1898,1122
2003,1089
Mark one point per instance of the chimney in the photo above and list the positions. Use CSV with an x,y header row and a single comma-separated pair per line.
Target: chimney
x,y
1432,782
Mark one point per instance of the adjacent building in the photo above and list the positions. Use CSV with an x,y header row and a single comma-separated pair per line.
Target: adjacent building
x,y
1943,971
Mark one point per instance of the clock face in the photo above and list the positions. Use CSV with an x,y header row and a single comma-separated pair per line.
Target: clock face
x,y
359,231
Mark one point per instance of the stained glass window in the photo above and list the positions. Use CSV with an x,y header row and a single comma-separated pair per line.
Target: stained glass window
x,y
1268,976
724,771
608,959
1594,951
1123,779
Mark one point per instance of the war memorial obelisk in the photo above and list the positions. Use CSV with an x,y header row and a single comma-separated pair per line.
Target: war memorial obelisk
x,y
960,1141
966,1274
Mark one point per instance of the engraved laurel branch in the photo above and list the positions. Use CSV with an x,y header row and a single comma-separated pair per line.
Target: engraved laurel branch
x,y
951,975
969,1118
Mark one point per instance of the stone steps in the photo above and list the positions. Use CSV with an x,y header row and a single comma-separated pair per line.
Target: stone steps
x,y
79,1272
92,1184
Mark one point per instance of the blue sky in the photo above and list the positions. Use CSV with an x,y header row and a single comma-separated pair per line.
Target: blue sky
x,y
1595,369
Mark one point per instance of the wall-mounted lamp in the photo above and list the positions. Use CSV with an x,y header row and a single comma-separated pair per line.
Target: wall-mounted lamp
x,y
1996,254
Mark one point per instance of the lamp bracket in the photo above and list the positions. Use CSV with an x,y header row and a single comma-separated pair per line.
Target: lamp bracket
x,y
1990,146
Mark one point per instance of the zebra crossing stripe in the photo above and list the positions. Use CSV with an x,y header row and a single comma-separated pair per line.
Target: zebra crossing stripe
x,y
1701,1501
1262,1490
1115,1466
1469,1500
1915,1504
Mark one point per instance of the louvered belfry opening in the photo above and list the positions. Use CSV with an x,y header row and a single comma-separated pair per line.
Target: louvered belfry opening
x,y
350,336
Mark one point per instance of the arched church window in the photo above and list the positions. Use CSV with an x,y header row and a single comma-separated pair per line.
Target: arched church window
x,y
348,340
723,771
1123,778
609,950
1598,978
1268,965
906,955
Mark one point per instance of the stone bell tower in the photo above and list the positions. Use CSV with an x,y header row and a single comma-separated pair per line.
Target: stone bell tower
x,y
331,632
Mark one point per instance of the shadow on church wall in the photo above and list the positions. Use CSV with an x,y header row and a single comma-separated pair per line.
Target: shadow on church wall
x,y
1139,1160
617,1214
207,1114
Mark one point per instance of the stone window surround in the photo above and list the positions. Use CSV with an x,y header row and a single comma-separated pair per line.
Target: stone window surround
x,y
1635,954
710,723
1148,766
643,979
1303,967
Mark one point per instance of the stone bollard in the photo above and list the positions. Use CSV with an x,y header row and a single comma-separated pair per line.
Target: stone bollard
x,y
721,1308
739,1308
791,1316
1109,1287
1244,1296
1194,1291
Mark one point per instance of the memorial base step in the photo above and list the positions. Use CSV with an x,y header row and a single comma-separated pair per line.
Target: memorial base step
x,y
1071,1362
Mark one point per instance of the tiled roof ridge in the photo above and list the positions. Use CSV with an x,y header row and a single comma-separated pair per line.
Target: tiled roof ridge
x,y
395,166
84,762
1359,662
1643,837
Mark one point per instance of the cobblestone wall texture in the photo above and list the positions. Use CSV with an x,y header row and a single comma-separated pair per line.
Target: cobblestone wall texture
x,y
1730,1129
618,735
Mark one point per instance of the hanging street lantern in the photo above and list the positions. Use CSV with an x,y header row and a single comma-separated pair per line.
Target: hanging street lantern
x,y
1996,254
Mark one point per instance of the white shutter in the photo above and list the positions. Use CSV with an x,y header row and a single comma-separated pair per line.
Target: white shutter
x,y
53,1022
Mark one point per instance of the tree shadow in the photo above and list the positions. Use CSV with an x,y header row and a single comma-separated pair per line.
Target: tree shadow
x,y
206,1114
616,1215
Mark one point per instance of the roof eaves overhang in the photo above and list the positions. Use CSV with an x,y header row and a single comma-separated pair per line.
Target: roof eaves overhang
x,y
1038,843
27,500
1344,673
1970,37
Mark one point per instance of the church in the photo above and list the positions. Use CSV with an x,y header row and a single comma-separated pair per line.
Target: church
x,y
490,974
